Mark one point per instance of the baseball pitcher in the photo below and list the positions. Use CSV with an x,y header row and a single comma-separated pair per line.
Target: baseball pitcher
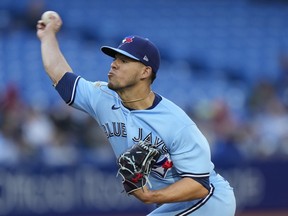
x,y
163,157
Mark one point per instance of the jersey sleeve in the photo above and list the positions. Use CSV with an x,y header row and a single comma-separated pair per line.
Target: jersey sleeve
x,y
191,153
66,87
78,92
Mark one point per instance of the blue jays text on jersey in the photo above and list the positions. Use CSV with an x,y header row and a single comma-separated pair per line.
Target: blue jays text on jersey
x,y
116,129
119,129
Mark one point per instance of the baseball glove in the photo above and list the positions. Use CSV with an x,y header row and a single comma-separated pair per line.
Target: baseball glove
x,y
135,165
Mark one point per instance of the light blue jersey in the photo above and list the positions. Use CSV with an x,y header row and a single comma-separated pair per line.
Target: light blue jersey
x,y
185,151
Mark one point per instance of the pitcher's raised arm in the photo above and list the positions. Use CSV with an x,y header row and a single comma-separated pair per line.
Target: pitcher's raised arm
x,y
53,59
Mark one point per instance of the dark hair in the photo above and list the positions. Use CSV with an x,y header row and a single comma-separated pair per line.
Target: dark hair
x,y
153,77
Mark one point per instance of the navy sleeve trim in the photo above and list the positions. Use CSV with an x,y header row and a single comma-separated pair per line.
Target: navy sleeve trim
x,y
66,87
203,179
191,175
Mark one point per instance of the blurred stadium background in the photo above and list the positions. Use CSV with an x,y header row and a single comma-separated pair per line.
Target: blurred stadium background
x,y
225,62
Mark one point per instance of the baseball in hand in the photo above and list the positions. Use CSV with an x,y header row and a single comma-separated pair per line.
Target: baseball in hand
x,y
46,16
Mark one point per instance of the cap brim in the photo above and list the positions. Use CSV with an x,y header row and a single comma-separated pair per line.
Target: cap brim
x,y
111,51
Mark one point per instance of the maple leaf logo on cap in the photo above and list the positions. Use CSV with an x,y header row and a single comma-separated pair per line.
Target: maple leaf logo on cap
x,y
127,40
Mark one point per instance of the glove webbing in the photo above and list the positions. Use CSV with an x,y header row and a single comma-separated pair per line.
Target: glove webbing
x,y
146,174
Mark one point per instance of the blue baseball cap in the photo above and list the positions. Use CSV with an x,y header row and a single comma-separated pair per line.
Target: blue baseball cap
x,y
138,48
